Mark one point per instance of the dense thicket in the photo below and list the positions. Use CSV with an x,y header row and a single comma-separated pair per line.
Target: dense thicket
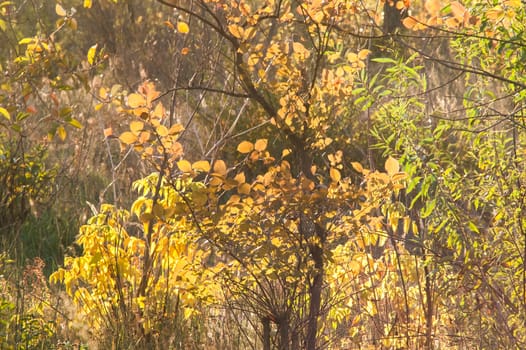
x,y
266,175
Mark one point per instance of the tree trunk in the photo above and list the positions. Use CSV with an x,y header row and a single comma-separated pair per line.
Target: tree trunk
x,y
315,297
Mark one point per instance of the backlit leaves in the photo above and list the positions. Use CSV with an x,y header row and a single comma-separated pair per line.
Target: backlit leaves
x,y
245,147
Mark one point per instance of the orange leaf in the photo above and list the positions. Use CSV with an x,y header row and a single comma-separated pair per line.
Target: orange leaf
x,y
409,22
261,145
108,132
245,147
363,54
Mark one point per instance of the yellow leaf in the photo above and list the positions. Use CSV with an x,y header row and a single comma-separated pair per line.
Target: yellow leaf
x,y
61,133
5,113
127,138
91,54
136,100
245,147
220,167
335,175
298,47
184,166
175,129
357,166
60,10
243,189
392,166
136,126
103,93
87,3
182,27
261,145
240,178
236,30
162,130
363,54
202,165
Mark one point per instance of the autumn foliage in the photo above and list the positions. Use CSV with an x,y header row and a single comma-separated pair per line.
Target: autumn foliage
x,y
266,175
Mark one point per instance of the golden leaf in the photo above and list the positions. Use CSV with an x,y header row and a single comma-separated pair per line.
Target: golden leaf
x,y
243,189
202,165
357,166
335,175
236,30
162,130
182,27
245,147
261,145
175,129
127,138
184,166
136,126
363,54
103,93
392,166
220,167
136,100
240,178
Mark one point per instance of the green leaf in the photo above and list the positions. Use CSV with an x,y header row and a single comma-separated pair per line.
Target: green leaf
x,y
430,206
383,60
